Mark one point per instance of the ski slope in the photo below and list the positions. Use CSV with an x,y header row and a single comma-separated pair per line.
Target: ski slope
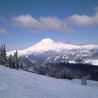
x,y
21,84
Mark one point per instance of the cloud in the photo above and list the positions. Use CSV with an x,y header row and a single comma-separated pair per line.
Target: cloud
x,y
41,23
24,21
84,20
3,31
53,23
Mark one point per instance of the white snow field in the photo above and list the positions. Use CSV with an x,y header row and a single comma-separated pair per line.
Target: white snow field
x,y
21,84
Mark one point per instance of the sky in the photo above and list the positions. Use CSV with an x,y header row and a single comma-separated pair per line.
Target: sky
x,y
25,22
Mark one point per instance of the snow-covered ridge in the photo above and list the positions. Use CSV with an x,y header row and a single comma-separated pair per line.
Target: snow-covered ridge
x,y
48,45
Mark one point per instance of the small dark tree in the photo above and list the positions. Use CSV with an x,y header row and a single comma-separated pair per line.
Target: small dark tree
x,y
3,57
10,61
16,60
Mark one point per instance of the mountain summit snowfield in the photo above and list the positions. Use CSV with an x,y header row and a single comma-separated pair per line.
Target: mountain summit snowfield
x,y
21,84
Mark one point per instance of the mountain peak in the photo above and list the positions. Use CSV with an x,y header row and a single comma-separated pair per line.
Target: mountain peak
x,y
47,40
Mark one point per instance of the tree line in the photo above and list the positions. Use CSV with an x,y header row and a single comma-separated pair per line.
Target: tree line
x,y
12,61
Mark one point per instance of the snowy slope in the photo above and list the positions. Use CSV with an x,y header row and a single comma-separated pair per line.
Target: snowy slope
x,y
20,84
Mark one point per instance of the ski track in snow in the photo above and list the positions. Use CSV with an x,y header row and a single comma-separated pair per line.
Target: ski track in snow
x,y
21,84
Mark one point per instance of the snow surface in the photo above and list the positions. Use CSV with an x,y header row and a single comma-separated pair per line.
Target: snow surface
x,y
21,84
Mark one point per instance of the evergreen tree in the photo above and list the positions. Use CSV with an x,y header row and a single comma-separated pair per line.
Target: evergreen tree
x,y
3,58
16,60
10,61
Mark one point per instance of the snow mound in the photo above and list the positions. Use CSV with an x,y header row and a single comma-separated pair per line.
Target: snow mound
x,y
21,84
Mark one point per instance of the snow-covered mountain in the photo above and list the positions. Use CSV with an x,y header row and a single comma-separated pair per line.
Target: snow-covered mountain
x,y
58,51
45,45
21,84
51,45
